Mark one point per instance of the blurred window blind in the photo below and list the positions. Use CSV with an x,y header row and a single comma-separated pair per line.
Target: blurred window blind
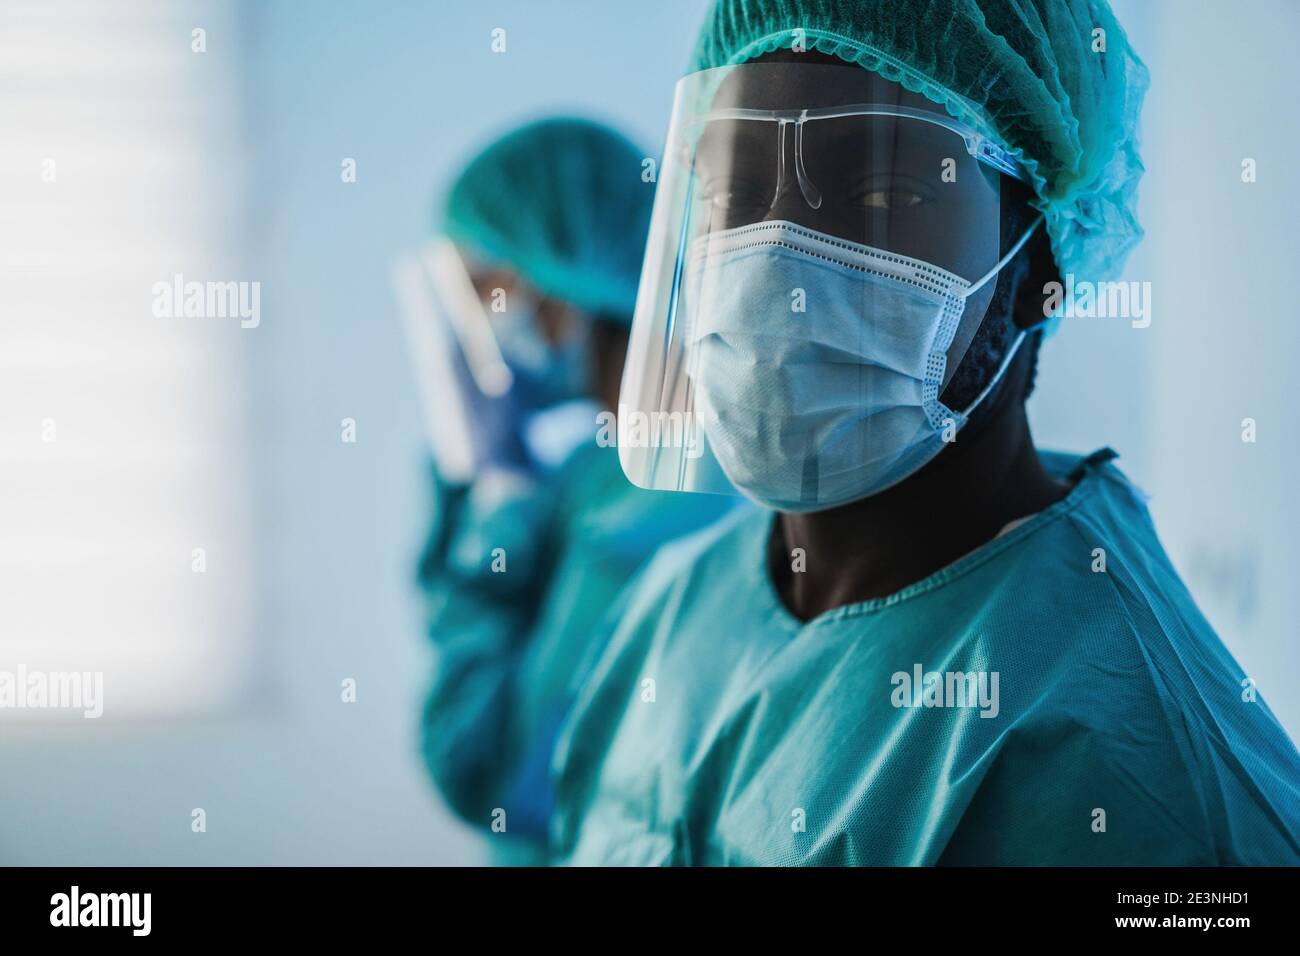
x,y
123,435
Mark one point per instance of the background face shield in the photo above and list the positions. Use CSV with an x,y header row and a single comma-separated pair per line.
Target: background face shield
x,y
851,166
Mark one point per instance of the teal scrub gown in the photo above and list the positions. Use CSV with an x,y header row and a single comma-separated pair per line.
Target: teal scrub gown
x,y
718,729
510,643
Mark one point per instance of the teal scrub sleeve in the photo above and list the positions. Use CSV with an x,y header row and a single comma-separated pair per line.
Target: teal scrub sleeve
x,y
483,574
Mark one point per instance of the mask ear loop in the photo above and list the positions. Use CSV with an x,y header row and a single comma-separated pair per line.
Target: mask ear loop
x,y
1002,370
1001,263
1020,337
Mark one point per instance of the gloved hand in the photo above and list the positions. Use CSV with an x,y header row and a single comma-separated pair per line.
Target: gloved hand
x,y
520,429
494,422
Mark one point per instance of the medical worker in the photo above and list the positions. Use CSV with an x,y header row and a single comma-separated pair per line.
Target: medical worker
x,y
540,244
934,644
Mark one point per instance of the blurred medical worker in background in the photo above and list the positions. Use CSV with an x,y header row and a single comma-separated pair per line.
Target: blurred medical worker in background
x,y
534,274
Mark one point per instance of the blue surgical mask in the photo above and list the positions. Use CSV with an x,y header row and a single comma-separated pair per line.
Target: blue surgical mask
x,y
807,411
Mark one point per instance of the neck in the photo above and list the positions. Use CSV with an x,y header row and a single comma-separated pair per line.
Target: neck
x,y
879,545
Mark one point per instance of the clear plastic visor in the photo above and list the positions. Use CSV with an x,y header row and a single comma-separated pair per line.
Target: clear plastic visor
x,y
861,174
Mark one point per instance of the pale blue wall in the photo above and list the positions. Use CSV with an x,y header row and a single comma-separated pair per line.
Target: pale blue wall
x,y
1222,340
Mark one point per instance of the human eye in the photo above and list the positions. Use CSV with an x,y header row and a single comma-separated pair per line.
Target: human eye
x,y
732,192
891,197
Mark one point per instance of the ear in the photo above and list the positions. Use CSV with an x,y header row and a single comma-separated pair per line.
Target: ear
x,y
1028,309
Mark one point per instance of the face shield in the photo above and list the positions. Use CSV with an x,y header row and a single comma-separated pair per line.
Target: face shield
x,y
490,355
816,269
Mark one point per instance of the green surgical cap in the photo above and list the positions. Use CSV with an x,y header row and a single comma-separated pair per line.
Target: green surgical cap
x,y
562,202
1054,80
